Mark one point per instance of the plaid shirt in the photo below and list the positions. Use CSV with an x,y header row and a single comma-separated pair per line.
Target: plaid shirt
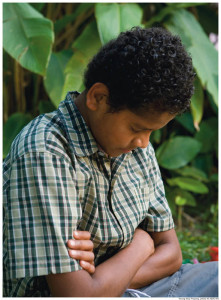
x,y
57,180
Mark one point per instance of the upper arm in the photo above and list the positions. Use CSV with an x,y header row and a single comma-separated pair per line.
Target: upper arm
x,y
72,284
165,237
168,239
42,213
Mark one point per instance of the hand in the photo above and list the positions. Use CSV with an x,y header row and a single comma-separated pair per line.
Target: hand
x,y
81,248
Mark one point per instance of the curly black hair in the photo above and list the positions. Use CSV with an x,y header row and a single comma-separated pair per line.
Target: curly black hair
x,y
144,69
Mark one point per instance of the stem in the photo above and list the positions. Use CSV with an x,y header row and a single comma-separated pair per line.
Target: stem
x,y
19,87
57,11
37,82
16,82
50,9
70,33
5,103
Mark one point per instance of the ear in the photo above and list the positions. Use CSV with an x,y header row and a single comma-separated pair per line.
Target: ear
x,y
96,96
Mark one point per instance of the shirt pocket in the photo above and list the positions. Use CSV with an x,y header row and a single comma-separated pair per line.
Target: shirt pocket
x,y
142,202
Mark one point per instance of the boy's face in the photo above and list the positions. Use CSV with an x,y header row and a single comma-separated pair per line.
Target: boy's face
x,y
123,131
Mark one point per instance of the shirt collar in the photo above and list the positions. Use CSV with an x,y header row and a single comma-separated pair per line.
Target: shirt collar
x,y
79,136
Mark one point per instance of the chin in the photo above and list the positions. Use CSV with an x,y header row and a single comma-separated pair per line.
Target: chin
x,y
115,154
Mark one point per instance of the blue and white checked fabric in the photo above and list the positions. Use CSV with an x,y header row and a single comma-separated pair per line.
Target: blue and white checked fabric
x,y
56,180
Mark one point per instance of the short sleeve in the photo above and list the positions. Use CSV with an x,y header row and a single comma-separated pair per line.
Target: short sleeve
x,y
159,217
42,211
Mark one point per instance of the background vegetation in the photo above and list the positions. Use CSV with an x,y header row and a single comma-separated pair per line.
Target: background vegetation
x,y
46,49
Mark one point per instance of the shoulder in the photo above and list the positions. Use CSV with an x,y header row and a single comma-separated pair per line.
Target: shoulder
x,y
43,134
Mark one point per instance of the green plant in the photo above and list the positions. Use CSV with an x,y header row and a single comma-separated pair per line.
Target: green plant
x,y
194,241
48,45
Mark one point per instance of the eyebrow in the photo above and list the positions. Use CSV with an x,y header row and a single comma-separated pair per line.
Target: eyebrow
x,y
138,127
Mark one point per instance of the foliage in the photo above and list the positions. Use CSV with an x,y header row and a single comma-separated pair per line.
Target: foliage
x,y
48,45
32,36
193,241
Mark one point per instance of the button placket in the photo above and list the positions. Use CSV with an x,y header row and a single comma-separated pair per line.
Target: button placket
x,y
116,170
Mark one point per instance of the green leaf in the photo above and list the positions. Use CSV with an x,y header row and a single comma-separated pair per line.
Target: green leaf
x,y
125,16
169,192
88,43
177,152
189,184
208,135
85,47
214,178
38,6
27,36
130,16
180,201
197,102
179,197
213,105
55,77
169,9
186,120
46,107
188,28
81,9
185,195
204,162
12,127
156,136
105,13
192,172
61,23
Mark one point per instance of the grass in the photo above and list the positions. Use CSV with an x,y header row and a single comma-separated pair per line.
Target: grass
x,y
196,239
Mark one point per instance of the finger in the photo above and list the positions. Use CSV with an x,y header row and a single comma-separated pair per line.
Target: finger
x,y
81,235
81,255
90,268
80,245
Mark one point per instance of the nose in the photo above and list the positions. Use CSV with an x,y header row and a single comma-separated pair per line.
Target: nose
x,y
142,141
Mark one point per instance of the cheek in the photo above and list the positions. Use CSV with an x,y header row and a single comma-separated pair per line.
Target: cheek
x,y
120,135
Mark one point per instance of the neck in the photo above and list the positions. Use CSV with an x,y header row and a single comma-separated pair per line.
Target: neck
x,y
80,102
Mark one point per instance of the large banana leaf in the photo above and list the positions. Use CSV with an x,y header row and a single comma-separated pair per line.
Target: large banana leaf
x,y
27,36
204,54
85,47
113,18
55,77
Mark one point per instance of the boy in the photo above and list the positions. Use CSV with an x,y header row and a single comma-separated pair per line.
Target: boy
x,y
89,167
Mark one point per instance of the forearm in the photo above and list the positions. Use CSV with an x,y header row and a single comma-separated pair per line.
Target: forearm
x,y
110,279
166,260
113,276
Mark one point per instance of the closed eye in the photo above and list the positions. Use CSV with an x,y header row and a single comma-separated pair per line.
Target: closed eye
x,y
135,130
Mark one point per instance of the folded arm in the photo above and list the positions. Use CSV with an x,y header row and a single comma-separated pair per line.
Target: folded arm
x,y
110,278
166,260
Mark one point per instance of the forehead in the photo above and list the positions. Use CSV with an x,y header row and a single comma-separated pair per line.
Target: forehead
x,y
148,120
